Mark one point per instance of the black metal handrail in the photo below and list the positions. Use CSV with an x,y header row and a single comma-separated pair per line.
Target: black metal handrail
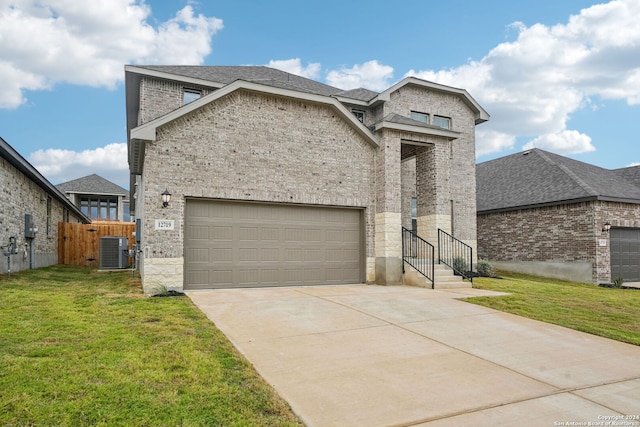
x,y
418,253
456,254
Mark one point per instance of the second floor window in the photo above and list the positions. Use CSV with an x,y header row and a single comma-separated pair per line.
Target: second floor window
x,y
103,208
420,117
359,115
441,121
191,95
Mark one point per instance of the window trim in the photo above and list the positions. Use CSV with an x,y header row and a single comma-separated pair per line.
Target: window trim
x,y
413,114
98,205
448,119
357,112
193,95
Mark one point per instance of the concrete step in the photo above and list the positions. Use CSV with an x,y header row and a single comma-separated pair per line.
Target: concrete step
x,y
444,278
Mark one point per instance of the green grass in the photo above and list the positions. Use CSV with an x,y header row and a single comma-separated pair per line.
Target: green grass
x,y
78,347
611,313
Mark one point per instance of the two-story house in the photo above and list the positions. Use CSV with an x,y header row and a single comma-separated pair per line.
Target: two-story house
x,y
251,176
98,198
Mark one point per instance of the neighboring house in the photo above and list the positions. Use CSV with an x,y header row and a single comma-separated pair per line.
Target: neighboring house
x,y
545,214
98,198
276,179
31,208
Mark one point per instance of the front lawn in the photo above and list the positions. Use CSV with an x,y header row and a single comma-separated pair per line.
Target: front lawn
x,y
611,313
79,347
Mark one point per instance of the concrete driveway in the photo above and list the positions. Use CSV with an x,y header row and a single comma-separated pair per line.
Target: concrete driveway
x,y
400,356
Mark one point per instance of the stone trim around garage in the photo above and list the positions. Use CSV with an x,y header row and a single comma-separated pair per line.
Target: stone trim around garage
x,y
163,274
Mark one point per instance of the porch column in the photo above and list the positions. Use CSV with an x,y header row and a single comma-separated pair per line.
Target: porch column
x,y
433,191
388,221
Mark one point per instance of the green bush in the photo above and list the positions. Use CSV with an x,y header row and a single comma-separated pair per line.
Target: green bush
x,y
617,282
459,265
485,269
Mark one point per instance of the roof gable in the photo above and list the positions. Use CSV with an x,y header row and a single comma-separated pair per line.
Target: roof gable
x,y
92,184
536,177
481,115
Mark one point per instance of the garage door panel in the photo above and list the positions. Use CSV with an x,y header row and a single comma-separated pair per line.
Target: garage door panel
x,y
218,233
198,255
252,244
625,254
267,234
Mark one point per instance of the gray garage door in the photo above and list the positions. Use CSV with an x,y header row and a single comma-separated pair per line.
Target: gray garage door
x,y
237,244
625,254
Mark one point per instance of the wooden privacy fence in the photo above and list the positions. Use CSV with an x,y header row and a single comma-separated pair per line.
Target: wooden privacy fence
x,y
79,244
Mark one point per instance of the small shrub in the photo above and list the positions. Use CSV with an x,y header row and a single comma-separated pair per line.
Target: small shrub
x,y
485,269
617,282
459,265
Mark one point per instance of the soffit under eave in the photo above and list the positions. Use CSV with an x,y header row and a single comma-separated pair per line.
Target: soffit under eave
x,y
136,159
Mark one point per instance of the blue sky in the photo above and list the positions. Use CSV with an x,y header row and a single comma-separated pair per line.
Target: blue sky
x,y
560,75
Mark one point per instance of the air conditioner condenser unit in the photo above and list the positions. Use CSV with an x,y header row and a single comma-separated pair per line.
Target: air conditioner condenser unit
x,y
114,252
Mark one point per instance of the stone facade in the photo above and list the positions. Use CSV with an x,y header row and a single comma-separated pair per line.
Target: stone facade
x,y
21,195
564,241
271,146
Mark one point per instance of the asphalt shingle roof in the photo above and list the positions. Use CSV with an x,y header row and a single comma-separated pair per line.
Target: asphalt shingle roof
x,y
257,74
537,177
92,184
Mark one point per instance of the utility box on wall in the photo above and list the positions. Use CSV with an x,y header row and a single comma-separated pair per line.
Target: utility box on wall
x,y
30,228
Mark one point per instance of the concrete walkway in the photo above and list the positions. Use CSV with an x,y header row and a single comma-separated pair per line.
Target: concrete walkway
x,y
400,356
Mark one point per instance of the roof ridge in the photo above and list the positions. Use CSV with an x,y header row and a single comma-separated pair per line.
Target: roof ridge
x,y
586,187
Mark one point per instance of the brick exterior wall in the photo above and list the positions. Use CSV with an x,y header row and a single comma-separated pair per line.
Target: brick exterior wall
x,y
258,147
255,147
20,196
455,160
408,189
569,233
158,97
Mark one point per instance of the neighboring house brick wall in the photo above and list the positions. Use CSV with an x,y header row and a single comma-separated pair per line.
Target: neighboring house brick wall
x,y
20,196
561,235
625,215
255,147
561,241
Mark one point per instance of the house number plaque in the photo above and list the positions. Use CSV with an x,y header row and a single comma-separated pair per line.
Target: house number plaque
x,y
165,224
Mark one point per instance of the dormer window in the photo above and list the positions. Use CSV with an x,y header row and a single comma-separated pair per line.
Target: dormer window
x,y
359,115
191,95
420,117
442,122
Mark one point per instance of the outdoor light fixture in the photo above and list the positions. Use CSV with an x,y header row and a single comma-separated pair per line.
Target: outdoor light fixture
x,y
606,226
166,198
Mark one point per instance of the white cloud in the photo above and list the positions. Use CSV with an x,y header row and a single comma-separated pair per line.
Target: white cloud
x,y
370,75
87,42
633,164
490,141
57,165
532,85
294,66
565,142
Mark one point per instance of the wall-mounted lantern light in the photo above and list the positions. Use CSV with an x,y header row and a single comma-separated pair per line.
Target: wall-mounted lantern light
x,y
606,226
166,198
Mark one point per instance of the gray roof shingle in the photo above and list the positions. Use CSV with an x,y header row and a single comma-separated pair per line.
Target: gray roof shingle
x,y
360,94
257,74
537,177
92,184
